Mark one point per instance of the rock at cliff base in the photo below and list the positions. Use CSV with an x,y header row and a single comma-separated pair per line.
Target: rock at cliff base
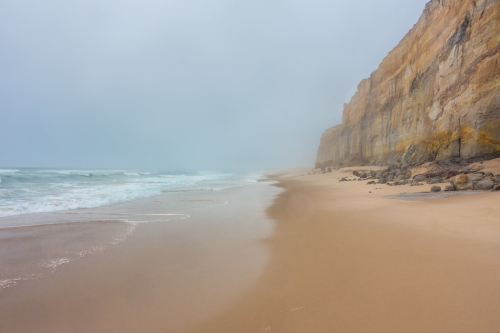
x,y
462,182
484,185
450,188
419,178
477,177
436,189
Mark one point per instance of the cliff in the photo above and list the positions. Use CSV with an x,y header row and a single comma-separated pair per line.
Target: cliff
x,y
435,96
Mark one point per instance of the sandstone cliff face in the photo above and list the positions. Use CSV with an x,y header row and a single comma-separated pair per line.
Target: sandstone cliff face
x,y
435,96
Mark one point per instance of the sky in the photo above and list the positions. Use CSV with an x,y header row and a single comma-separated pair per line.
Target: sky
x,y
184,84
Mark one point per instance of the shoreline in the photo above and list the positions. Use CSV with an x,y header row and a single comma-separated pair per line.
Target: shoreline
x,y
305,254
346,260
164,277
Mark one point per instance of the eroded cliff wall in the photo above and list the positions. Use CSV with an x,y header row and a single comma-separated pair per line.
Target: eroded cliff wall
x,y
435,96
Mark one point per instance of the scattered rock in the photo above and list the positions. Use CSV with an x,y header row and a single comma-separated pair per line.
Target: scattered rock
x,y
436,188
434,181
477,177
450,188
462,182
484,185
419,178
371,182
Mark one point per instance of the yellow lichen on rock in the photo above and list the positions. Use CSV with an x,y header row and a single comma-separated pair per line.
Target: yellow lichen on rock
x,y
436,95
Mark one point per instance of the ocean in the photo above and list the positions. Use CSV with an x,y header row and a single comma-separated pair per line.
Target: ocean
x,y
28,191
50,217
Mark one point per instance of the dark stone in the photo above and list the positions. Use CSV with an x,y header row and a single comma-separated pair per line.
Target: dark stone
x,y
436,189
485,185
419,178
371,183
450,188
434,181
477,177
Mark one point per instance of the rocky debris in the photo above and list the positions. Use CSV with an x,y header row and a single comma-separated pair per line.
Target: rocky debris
x,y
436,188
462,182
496,188
434,181
419,178
450,188
484,185
382,180
417,184
363,175
477,177
371,182
343,179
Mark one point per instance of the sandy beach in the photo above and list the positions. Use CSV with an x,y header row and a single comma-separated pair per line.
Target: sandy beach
x,y
347,260
329,256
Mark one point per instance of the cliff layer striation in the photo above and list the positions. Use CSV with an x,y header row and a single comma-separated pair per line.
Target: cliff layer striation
x,y
435,96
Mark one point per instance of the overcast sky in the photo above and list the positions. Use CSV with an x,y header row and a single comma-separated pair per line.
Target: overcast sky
x,y
174,84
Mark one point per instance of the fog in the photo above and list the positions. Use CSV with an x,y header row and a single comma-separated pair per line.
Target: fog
x,y
191,84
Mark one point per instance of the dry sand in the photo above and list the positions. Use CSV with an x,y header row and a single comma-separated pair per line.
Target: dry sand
x,y
346,260
341,260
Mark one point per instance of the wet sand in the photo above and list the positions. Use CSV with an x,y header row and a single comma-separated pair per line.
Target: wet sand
x,y
328,257
163,278
346,260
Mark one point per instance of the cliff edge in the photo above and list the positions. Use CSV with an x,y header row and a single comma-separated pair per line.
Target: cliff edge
x,y
435,96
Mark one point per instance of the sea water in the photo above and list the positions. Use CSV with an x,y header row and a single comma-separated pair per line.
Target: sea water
x,y
28,191
50,217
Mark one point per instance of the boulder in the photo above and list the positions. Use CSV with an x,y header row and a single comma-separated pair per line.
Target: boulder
x,y
382,180
477,177
495,188
434,181
462,182
436,188
450,188
364,175
484,185
371,182
419,178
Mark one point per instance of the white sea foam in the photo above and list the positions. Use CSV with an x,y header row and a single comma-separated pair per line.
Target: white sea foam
x,y
8,170
40,191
